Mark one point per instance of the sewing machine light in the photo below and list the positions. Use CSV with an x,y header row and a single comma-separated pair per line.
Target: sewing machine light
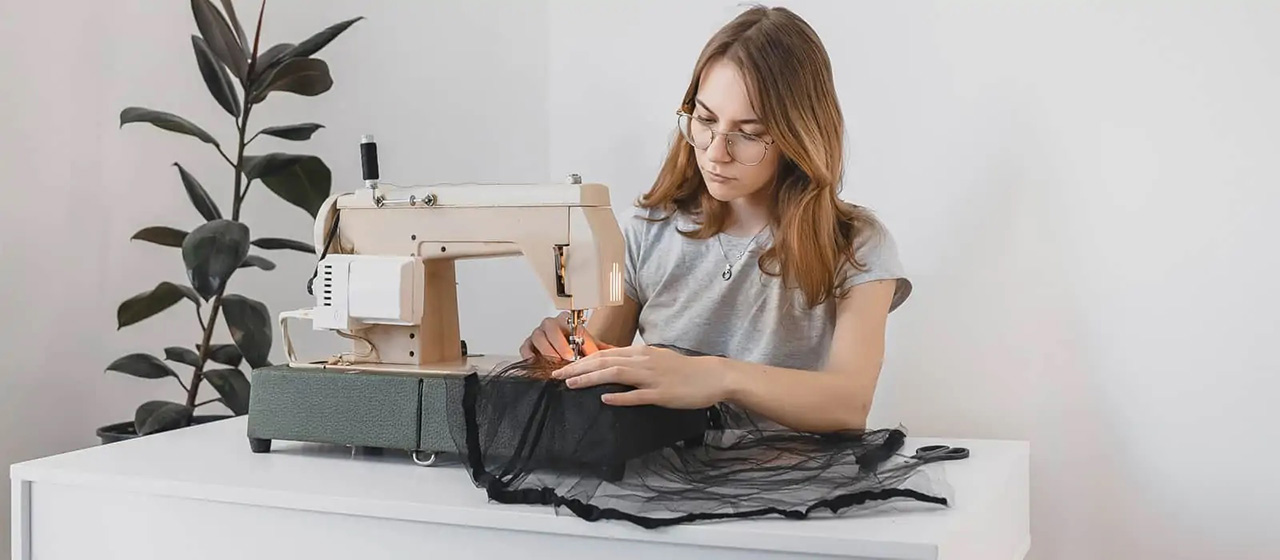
x,y
615,284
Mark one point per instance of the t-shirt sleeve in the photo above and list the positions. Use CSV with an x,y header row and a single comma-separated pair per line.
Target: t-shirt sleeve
x,y
878,255
633,230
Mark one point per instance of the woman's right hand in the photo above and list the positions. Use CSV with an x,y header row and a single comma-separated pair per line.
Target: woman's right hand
x,y
551,338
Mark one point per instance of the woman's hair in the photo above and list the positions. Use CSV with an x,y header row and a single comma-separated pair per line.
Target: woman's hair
x,y
789,80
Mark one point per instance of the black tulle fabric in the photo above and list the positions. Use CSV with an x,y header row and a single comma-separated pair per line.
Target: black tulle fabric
x,y
529,439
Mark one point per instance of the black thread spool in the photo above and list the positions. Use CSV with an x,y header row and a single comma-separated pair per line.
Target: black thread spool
x,y
369,160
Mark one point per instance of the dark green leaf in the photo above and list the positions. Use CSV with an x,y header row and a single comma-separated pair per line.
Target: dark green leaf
x,y
182,356
222,41
301,180
141,364
159,416
235,24
314,43
292,131
260,262
226,354
272,243
199,197
216,77
250,326
212,252
161,235
151,302
166,121
303,76
267,61
304,49
233,386
257,167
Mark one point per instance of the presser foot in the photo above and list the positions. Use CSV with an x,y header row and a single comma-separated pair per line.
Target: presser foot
x,y
577,318
575,344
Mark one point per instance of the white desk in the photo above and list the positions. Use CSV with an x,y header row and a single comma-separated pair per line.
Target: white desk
x,y
199,493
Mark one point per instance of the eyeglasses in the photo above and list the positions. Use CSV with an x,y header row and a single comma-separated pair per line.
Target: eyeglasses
x,y
743,148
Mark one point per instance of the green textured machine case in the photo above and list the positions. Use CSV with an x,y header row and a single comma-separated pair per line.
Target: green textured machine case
x,y
410,413
363,409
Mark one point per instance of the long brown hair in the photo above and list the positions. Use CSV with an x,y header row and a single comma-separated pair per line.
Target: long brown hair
x,y
789,80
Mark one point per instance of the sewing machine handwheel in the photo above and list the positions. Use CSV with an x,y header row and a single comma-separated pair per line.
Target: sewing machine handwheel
x,y
258,445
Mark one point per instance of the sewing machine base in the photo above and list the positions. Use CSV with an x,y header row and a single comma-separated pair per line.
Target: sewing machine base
x,y
378,410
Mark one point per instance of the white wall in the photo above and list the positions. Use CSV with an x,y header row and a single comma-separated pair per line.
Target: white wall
x,y
1081,192
1084,194
453,91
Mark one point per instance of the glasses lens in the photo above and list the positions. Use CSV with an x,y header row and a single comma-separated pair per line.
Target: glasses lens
x,y
695,132
746,150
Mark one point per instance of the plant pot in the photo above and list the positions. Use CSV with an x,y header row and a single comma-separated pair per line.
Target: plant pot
x,y
121,431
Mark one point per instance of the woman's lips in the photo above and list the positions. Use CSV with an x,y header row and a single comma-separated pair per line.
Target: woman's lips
x,y
712,175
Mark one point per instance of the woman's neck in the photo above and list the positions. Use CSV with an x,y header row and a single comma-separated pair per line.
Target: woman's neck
x,y
747,216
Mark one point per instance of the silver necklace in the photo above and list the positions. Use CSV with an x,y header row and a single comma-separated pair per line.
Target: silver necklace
x,y
728,267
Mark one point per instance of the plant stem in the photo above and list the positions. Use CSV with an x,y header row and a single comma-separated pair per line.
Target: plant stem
x,y
225,158
216,307
242,126
198,374
207,402
245,192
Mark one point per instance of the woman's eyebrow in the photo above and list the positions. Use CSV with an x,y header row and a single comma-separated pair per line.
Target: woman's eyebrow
x,y
713,113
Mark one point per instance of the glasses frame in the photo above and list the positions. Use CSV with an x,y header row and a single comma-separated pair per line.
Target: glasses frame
x,y
681,115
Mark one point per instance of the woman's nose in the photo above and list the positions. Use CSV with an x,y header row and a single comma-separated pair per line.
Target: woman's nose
x,y
718,151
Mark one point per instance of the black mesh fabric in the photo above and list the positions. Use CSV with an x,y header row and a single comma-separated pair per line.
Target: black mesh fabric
x,y
529,439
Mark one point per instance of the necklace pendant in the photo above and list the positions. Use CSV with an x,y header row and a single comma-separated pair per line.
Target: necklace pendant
x,y
728,272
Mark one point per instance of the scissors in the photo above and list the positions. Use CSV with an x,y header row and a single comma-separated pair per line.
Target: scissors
x,y
934,453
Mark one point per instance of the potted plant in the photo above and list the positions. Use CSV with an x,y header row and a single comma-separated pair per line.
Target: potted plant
x,y
239,77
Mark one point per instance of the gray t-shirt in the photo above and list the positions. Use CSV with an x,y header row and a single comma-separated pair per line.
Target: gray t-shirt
x,y
686,302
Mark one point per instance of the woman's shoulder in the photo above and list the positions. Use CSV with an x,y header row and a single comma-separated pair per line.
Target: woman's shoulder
x,y
641,222
876,255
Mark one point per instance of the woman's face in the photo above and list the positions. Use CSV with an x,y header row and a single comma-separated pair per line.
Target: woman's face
x,y
722,105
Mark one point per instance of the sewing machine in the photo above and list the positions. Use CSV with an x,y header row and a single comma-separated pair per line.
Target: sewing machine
x,y
385,279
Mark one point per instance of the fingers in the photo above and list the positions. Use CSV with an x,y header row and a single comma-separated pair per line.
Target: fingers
x,y
550,344
554,332
631,398
551,338
589,344
622,375
526,349
595,362
541,344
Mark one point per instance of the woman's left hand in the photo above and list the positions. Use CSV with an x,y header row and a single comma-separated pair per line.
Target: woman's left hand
x,y
661,377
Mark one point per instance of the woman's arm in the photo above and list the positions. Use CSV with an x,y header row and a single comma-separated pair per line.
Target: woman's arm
x,y
837,398
615,325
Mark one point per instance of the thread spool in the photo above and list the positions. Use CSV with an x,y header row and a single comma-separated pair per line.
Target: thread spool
x,y
369,160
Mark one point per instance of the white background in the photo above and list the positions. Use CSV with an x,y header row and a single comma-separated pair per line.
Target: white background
x,y
1083,193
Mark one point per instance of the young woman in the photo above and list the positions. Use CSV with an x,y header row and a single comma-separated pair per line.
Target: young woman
x,y
742,250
